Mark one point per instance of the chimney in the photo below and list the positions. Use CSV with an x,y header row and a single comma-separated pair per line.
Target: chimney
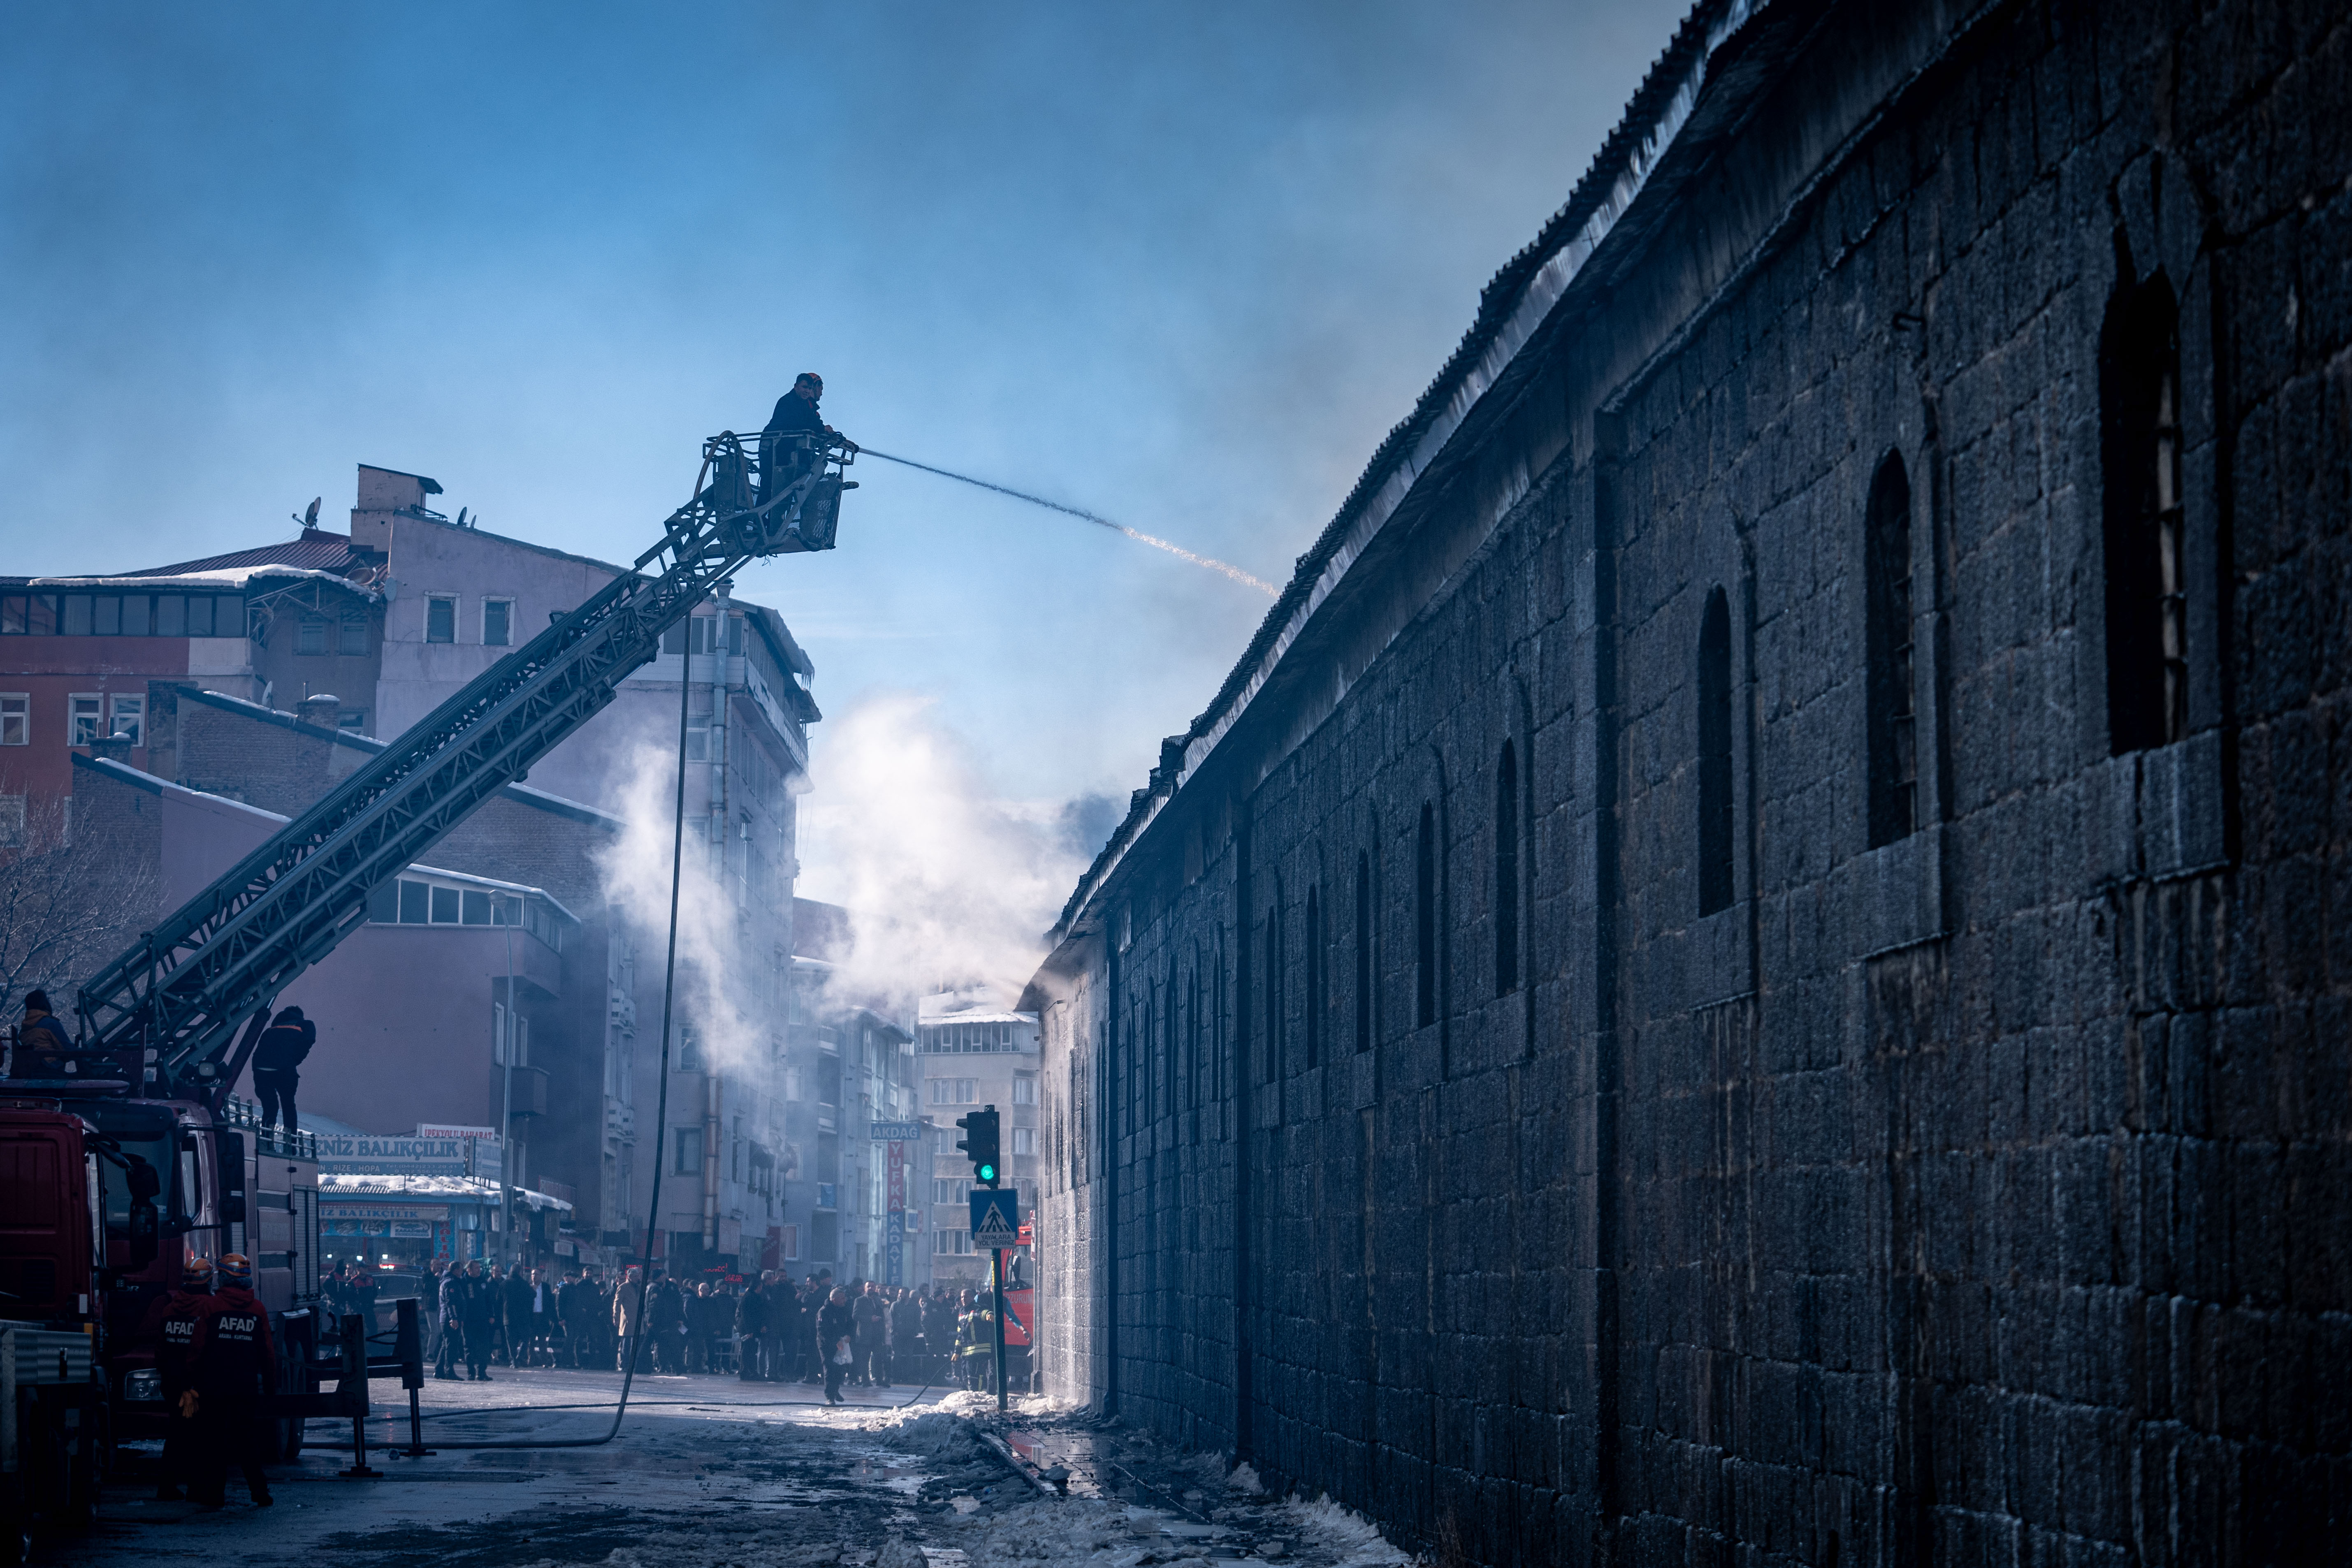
x,y
111,748
322,709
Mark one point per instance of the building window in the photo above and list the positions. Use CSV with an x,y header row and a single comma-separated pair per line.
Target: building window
x,y
1363,999
311,636
1273,1018
1025,1140
955,1090
84,710
1424,918
351,637
497,616
448,906
688,1141
15,718
2139,464
12,822
1315,967
1893,747
128,719
1024,1090
948,1190
689,1050
1715,877
1506,872
441,618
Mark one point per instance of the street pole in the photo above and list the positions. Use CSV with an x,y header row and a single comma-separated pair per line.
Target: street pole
x,y
506,1111
996,1271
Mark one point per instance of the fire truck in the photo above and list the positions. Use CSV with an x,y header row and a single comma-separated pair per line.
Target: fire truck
x,y
136,1156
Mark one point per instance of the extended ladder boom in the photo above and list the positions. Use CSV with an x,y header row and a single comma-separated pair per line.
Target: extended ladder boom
x,y
167,1010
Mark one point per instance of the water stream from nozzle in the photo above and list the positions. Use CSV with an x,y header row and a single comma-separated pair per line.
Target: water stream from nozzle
x,y
1229,570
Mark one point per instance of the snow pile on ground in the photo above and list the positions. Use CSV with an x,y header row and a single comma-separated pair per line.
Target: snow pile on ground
x,y
1069,1532
941,1436
1352,1537
1244,1480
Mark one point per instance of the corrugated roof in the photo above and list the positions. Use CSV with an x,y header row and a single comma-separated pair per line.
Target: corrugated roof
x,y
317,549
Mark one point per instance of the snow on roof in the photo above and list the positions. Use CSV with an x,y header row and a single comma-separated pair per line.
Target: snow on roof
x,y
335,1184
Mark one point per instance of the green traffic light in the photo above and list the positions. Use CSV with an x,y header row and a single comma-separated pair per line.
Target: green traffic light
x,y
988,1172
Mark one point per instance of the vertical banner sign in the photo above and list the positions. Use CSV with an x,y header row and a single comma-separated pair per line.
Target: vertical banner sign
x,y
895,1240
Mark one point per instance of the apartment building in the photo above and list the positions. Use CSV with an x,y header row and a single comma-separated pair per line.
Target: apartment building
x,y
973,1053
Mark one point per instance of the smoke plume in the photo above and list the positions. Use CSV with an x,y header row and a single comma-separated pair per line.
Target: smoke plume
x,y
947,886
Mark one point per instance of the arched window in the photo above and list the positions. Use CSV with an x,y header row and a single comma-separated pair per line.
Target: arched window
x,y
1196,1002
1217,1023
2139,464
1363,1000
1314,976
1169,1038
1715,877
1893,726
1424,918
1506,872
1273,991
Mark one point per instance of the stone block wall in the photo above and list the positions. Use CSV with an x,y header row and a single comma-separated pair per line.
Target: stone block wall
x,y
1978,1195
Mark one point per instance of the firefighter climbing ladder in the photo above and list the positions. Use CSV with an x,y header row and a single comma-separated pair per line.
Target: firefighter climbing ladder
x,y
168,1011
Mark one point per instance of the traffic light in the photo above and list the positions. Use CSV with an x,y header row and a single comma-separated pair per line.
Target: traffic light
x,y
979,1144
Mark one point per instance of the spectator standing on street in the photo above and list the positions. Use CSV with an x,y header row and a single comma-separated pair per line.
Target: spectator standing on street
x,y
750,1327
629,1318
780,1334
516,1303
281,1050
451,1295
480,1297
872,1334
906,1334
834,1328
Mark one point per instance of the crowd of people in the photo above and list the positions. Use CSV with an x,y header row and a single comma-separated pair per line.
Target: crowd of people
x,y
770,1328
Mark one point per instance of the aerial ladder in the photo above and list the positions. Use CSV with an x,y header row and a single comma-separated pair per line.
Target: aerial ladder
x,y
136,1153
167,1012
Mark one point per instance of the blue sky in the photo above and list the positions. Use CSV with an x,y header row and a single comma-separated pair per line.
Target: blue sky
x,y
1181,264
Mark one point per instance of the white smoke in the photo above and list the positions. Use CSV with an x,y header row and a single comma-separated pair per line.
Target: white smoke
x,y
719,975
946,885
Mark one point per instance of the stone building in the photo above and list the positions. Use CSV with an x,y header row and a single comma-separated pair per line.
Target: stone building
x,y
1754,958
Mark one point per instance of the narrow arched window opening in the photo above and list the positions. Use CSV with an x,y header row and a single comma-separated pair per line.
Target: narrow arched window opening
x,y
1314,976
2139,462
1506,872
1363,999
1424,918
1714,862
1893,748
1273,1040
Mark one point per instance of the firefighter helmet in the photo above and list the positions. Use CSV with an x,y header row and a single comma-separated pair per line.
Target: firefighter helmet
x,y
236,1269
196,1273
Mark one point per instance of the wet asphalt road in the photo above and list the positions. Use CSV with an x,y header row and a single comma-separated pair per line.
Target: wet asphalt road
x,y
712,1472
714,1461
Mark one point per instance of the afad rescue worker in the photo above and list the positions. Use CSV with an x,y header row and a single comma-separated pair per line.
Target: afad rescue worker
x,y
171,1322
278,1052
236,1366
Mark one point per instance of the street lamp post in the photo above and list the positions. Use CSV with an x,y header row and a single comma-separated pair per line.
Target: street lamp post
x,y
506,1111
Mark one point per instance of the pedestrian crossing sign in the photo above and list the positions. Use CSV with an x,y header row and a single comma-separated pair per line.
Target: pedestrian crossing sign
x,y
995,1219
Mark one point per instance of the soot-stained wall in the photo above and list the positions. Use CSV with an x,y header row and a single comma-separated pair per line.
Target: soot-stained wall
x,y
1763,961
